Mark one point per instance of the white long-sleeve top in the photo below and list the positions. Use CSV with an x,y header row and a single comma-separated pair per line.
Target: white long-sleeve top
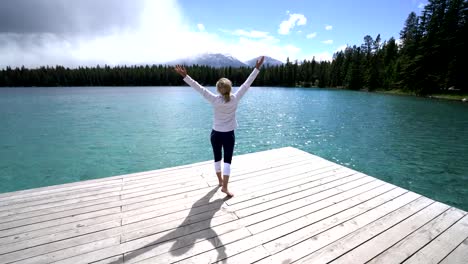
x,y
224,112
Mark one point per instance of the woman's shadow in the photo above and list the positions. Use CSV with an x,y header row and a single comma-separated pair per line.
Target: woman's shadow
x,y
189,231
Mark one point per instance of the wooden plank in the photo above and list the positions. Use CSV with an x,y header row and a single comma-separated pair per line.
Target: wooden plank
x,y
27,227
189,224
19,234
70,252
297,209
206,251
47,248
459,255
302,237
77,232
322,218
418,239
304,197
269,178
315,211
183,234
302,243
27,212
51,214
84,195
161,187
148,190
439,248
154,251
377,236
175,204
173,181
114,260
249,256
170,204
291,179
56,190
200,206
178,206
107,255
295,176
12,223
301,185
143,201
135,202
153,195
281,165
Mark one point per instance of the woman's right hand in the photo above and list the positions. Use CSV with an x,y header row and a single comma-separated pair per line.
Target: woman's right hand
x,y
181,70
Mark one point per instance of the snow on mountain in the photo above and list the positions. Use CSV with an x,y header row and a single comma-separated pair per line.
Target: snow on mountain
x,y
216,60
268,61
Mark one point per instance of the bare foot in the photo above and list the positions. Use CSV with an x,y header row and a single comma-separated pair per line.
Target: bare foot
x,y
220,184
228,193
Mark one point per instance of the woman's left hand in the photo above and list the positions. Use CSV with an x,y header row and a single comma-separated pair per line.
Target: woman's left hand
x,y
259,62
181,70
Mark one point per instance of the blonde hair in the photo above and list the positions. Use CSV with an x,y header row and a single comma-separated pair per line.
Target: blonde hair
x,y
224,86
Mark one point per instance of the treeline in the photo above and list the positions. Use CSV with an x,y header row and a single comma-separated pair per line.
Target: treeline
x,y
431,57
290,74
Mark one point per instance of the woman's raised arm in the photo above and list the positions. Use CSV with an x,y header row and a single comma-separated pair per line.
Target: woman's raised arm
x,y
195,85
246,85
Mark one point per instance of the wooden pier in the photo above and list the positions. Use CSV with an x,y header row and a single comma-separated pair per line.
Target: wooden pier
x,y
289,207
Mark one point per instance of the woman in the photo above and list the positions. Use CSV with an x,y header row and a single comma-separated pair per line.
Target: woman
x,y
225,106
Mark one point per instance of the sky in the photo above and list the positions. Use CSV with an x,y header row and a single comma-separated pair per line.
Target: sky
x,y
115,32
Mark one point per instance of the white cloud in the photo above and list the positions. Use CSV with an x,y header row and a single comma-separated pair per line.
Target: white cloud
x,y
328,27
329,41
311,35
247,49
340,48
161,35
294,20
201,27
256,35
421,5
251,34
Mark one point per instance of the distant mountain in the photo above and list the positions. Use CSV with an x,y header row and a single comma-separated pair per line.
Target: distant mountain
x,y
268,61
216,60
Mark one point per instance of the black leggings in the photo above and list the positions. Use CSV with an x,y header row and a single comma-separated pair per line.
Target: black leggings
x,y
223,140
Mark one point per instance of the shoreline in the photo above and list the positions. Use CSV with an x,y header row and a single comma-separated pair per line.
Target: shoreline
x,y
441,96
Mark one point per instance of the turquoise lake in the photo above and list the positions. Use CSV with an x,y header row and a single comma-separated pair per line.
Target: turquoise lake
x,y
51,136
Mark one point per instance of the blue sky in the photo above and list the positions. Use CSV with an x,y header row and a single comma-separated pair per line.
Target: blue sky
x,y
90,32
321,27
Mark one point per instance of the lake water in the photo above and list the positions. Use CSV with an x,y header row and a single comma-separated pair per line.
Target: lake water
x,y
59,135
